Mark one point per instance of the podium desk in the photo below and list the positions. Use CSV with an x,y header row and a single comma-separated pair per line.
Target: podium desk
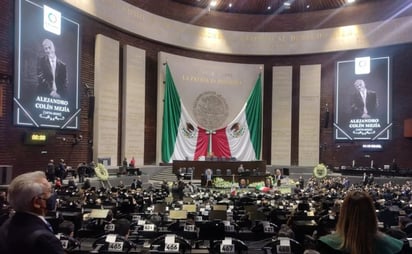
x,y
199,167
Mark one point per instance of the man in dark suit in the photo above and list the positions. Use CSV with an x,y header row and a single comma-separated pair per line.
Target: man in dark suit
x,y
364,102
51,171
136,184
371,179
27,231
51,73
365,179
278,176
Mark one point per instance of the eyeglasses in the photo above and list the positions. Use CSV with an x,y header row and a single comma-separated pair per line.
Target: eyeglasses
x,y
40,197
49,192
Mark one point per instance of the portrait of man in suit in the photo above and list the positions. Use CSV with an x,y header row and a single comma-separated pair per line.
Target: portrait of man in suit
x,y
51,72
364,102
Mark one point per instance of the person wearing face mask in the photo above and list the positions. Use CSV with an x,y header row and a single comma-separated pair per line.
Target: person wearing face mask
x,y
26,231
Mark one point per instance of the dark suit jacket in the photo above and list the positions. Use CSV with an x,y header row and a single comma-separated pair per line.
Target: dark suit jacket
x,y
408,229
357,104
16,236
45,77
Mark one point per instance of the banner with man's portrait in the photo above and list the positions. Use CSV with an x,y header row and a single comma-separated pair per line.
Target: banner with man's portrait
x,y
363,100
46,90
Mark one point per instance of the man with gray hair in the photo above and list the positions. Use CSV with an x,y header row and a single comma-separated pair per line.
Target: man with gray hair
x,y
30,195
364,102
51,72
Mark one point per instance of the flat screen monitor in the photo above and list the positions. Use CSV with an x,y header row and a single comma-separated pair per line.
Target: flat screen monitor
x,y
177,214
217,215
189,208
187,200
159,208
355,120
257,216
99,213
43,98
250,208
219,207
211,230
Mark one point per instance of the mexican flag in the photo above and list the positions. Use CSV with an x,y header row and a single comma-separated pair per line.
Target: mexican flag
x,y
180,133
183,139
244,133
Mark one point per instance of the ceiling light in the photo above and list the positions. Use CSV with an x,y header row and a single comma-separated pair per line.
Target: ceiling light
x,y
230,5
269,7
287,4
213,4
350,1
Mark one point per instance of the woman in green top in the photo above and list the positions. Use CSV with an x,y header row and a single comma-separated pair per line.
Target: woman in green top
x,y
357,230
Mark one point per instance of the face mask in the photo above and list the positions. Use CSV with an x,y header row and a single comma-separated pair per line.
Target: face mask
x,y
51,202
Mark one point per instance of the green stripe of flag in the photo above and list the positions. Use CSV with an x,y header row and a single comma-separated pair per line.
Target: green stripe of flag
x,y
254,116
171,117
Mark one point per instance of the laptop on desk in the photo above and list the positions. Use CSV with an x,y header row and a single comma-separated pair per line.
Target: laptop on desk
x,y
99,213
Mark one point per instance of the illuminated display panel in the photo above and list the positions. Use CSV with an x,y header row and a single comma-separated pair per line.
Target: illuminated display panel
x,y
189,208
46,91
177,214
363,101
35,138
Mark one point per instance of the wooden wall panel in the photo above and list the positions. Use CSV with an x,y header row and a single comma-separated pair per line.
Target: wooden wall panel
x,y
407,128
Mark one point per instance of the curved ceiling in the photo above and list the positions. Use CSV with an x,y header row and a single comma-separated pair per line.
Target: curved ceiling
x,y
270,6
253,15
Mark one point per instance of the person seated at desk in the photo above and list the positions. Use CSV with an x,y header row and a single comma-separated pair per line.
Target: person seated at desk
x,y
86,185
278,176
405,224
66,235
121,231
240,169
71,184
164,187
242,183
190,188
357,229
178,226
286,231
268,183
58,183
136,184
346,183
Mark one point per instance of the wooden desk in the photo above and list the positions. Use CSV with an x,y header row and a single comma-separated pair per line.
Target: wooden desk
x,y
199,167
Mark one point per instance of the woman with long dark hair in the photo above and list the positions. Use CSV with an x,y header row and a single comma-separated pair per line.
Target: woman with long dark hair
x,y
357,230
